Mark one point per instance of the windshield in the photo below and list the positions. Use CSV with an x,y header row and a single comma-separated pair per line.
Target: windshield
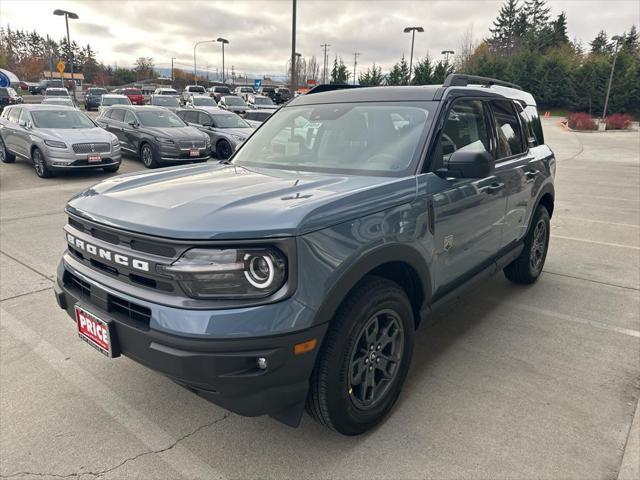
x,y
263,101
230,120
97,91
60,119
358,138
108,101
197,89
57,93
222,90
168,92
162,119
165,101
234,101
204,102
133,92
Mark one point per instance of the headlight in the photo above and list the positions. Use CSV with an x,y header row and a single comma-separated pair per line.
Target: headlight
x,y
207,140
229,273
165,141
55,144
238,138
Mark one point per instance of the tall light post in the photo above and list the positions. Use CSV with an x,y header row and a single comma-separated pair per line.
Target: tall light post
x,y
413,31
293,46
68,15
172,77
446,54
295,71
195,68
617,39
223,41
355,63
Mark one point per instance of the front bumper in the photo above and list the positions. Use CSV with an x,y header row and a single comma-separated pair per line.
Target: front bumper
x,y
223,371
65,159
174,154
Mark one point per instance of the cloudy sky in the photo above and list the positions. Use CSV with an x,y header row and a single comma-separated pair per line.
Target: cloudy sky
x,y
260,31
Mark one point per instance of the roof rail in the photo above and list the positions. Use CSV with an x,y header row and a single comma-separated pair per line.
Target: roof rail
x,y
325,87
459,80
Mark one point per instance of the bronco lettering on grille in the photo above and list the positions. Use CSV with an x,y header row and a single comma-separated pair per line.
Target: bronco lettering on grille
x,y
107,254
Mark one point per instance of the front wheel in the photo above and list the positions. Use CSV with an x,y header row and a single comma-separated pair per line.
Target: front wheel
x,y
40,164
148,156
528,266
364,359
223,150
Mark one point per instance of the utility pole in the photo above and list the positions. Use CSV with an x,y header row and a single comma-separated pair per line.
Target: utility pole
x,y
172,78
293,48
617,39
355,63
324,64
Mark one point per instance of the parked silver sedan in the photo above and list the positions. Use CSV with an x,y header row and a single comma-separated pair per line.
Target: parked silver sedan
x,y
226,129
56,138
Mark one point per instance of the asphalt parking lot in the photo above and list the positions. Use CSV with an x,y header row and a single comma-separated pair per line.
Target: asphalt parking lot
x,y
507,382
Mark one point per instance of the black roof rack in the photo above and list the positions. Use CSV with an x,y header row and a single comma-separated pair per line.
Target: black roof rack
x,y
459,80
326,87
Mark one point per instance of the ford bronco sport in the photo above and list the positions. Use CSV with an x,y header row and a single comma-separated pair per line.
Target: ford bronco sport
x,y
295,273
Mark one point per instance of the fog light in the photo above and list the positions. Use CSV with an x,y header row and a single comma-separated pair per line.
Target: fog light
x,y
262,363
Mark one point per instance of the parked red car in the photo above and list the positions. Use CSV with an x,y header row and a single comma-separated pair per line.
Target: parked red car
x,y
135,95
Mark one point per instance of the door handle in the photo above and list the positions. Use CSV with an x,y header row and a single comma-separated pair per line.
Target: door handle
x,y
494,188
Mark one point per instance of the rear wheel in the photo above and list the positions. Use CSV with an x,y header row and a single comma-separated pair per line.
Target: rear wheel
x,y
365,358
40,164
5,155
148,156
223,150
528,266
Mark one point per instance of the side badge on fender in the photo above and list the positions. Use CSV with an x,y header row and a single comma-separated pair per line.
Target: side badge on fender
x,y
448,242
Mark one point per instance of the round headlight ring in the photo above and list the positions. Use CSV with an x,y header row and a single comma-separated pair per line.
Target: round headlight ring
x,y
253,274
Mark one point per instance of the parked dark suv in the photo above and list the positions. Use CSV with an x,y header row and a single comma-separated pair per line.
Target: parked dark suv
x,y
8,96
93,97
297,272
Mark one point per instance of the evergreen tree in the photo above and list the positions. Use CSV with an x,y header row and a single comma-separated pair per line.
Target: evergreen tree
x,y
399,74
600,44
506,28
631,42
559,30
536,13
373,77
423,72
339,73
441,71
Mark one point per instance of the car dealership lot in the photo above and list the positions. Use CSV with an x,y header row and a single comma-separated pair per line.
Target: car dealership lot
x,y
508,381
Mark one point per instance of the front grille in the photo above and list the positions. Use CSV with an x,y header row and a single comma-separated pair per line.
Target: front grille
x,y
118,307
188,144
91,147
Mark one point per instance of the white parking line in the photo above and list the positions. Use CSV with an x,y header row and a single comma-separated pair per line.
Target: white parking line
x,y
133,420
563,316
588,220
595,242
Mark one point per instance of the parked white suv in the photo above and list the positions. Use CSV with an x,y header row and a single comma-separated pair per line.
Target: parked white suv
x,y
191,90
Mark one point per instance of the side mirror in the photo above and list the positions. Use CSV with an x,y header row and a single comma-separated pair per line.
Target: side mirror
x,y
134,124
22,123
469,163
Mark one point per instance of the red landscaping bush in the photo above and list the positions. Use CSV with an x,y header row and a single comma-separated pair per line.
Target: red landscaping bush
x,y
581,121
618,121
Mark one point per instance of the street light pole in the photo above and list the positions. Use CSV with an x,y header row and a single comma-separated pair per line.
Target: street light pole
x,y
617,39
195,69
293,48
413,31
223,41
355,62
73,16
446,54
172,78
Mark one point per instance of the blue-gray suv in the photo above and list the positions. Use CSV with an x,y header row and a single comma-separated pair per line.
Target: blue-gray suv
x,y
295,273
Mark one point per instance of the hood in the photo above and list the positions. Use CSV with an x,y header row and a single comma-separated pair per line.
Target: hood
x,y
229,202
175,133
76,135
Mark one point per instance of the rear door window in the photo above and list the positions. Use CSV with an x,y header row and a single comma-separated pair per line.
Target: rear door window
x,y
129,117
203,119
117,114
508,130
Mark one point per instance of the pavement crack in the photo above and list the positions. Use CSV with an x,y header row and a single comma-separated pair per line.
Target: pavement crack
x,y
25,294
26,265
101,473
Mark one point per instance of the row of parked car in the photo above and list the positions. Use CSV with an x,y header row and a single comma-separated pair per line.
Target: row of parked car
x,y
55,136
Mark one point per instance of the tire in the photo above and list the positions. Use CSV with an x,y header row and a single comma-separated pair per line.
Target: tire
x,y
111,169
343,398
40,164
5,155
148,156
223,150
528,266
